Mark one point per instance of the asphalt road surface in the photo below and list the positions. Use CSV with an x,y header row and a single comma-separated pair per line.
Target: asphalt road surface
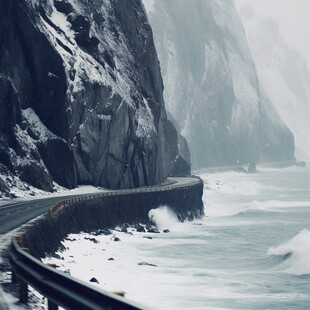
x,y
13,215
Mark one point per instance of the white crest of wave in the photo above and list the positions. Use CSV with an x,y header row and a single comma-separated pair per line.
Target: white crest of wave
x,y
163,217
277,205
299,248
221,208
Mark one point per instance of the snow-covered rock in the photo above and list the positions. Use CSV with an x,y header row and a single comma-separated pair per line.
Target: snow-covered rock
x,y
211,86
283,74
81,95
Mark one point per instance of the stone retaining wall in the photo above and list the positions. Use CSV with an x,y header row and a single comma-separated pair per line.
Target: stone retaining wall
x,y
44,236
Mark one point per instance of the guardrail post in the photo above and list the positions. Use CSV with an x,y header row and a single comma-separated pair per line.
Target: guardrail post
x,y
14,276
50,304
23,287
23,291
17,238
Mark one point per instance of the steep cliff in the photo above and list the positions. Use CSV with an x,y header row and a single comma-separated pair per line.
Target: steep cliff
x,y
211,85
283,73
81,95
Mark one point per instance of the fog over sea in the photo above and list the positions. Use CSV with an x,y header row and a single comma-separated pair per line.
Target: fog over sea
x,y
250,251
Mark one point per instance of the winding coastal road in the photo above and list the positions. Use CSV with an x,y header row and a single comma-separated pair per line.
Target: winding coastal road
x,y
15,214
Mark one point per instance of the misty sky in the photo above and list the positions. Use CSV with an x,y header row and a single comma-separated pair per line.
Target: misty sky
x,y
293,18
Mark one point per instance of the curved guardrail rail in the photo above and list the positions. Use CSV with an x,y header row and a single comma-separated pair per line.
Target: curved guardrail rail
x,y
149,189
62,289
67,291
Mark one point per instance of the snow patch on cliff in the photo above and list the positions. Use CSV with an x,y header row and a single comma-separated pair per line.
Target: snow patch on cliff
x,y
37,127
145,120
81,66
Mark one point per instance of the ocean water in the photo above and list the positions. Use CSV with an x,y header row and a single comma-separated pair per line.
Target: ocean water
x,y
251,251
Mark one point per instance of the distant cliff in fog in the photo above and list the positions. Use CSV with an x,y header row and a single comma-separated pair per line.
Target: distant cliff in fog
x,y
211,86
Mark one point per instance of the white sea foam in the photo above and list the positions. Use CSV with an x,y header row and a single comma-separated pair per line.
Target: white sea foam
x,y
164,286
232,193
221,190
232,183
163,217
299,249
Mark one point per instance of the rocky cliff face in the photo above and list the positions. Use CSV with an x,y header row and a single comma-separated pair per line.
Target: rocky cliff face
x,y
211,85
283,73
81,95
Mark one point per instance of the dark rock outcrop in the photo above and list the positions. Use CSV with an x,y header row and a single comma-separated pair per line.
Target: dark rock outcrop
x,y
124,229
252,168
81,95
93,240
139,228
152,229
177,165
146,264
180,167
3,187
94,280
105,232
35,175
58,159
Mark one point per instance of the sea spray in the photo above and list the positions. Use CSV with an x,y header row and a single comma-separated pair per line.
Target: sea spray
x,y
218,262
163,217
298,251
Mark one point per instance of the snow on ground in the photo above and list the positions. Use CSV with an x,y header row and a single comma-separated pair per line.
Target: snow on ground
x,y
115,260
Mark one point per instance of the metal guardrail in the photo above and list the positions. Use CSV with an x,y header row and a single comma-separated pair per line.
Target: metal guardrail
x,y
62,289
149,189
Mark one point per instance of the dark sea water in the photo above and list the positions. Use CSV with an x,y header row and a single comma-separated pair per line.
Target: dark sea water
x,y
251,251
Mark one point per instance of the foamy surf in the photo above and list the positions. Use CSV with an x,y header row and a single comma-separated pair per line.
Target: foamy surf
x,y
164,218
297,251
232,183
218,262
